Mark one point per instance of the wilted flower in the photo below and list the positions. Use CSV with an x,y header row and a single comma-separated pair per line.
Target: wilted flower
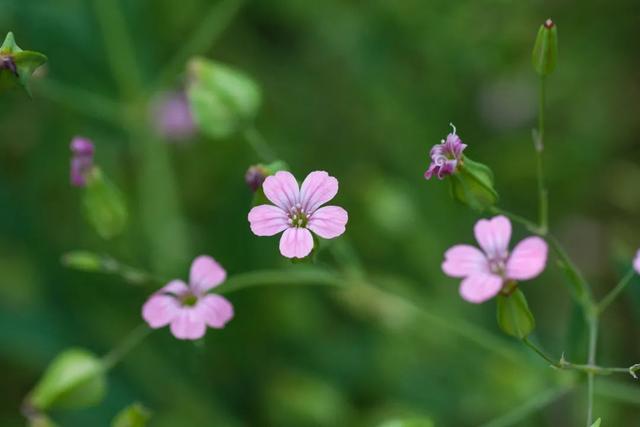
x,y
171,116
255,176
486,271
636,262
297,210
82,150
190,308
445,156
7,63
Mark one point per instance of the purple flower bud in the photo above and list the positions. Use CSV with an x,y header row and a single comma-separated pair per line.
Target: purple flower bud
x,y
255,176
446,156
171,116
7,63
81,160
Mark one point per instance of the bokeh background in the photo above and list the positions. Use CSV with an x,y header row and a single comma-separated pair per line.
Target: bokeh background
x,y
361,89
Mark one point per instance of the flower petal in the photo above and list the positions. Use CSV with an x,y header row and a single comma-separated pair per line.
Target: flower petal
x,y
328,222
636,263
296,243
215,310
176,287
188,324
317,189
493,235
480,287
282,190
464,260
205,274
528,259
267,220
160,310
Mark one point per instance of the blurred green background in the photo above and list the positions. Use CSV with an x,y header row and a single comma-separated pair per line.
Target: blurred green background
x,y
361,89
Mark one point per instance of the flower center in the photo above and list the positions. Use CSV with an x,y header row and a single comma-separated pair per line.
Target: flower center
x,y
188,299
297,216
498,266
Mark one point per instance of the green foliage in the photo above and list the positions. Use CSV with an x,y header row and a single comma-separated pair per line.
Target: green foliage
x,y
41,421
25,62
134,415
597,423
409,422
472,185
82,260
545,50
74,379
223,100
514,316
104,205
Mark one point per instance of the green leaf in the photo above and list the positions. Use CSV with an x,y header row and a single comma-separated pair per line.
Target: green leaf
x,y
82,260
472,185
597,423
514,316
104,205
75,379
409,422
134,415
223,100
545,50
26,62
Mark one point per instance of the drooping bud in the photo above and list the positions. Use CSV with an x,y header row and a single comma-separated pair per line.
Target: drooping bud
x,y
82,150
514,316
171,116
74,379
545,50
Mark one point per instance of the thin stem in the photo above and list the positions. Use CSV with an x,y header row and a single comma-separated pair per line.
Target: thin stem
x,y
530,225
293,276
538,402
593,345
214,23
613,294
543,199
259,144
112,358
541,353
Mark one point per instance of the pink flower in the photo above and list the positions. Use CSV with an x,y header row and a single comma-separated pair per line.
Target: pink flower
x,y
486,272
171,116
82,150
297,210
446,156
190,308
636,262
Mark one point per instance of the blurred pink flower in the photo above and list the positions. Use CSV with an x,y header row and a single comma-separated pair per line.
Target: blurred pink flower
x,y
486,272
82,150
445,156
190,308
171,116
297,210
636,262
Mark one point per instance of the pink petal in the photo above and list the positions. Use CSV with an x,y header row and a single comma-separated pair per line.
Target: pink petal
x,y
296,243
480,287
528,259
636,263
267,220
205,274
160,310
188,324
282,190
494,235
215,310
317,189
176,287
328,222
464,260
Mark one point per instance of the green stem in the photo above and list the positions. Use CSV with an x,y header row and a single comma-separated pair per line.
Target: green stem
x,y
613,294
112,358
541,353
593,345
543,198
293,276
530,225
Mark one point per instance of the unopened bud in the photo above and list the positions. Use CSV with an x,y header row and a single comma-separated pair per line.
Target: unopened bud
x,y
545,50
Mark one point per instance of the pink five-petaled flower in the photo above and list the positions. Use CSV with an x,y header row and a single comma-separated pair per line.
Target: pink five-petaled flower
x,y
297,210
486,272
190,308
446,156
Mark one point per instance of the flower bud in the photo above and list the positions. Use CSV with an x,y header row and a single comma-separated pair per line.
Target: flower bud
x,y
75,379
255,176
82,150
17,65
223,100
514,316
545,50
171,116
473,185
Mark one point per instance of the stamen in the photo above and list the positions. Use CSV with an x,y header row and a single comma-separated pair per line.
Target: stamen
x,y
454,128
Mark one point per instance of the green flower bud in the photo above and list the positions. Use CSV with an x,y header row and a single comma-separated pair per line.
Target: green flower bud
x,y
75,379
223,100
514,316
104,205
17,65
82,260
134,415
472,184
545,50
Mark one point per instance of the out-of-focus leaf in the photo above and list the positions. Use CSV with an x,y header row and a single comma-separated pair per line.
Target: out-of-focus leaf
x,y
597,423
223,100
134,415
104,205
75,379
409,422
